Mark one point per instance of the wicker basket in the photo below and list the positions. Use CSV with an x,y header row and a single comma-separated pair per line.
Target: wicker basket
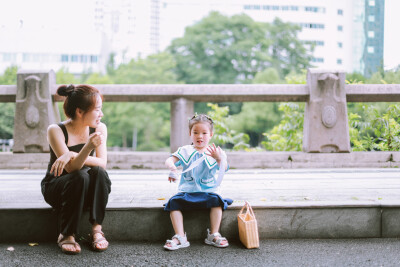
x,y
248,230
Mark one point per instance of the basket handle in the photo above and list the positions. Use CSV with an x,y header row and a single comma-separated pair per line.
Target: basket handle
x,y
248,207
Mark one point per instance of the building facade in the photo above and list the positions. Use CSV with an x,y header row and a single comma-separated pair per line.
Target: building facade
x,y
346,34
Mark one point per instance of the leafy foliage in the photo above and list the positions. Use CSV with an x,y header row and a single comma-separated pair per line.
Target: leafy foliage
x,y
288,134
221,49
7,110
222,134
378,132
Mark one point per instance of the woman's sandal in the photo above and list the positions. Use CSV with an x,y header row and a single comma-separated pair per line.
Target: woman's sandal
x,y
98,240
61,241
218,240
183,243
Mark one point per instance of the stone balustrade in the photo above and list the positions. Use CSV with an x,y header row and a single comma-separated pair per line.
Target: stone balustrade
x,y
325,94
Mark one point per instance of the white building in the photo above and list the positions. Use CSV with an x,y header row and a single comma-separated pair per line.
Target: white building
x,y
44,35
338,28
347,34
38,49
131,26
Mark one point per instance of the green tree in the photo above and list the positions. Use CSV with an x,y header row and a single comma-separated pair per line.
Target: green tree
x,y
142,126
7,110
258,117
155,69
223,135
288,53
267,76
355,77
65,77
288,134
97,78
221,49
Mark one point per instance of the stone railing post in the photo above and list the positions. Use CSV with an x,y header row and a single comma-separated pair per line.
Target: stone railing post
x,y
34,111
181,111
326,126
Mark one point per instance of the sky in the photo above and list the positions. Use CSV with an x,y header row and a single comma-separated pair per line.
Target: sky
x,y
40,13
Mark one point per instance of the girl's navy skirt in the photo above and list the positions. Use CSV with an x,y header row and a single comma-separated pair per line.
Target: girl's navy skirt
x,y
197,200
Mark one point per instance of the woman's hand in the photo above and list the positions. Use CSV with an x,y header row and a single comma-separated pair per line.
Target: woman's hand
x,y
95,140
215,152
59,165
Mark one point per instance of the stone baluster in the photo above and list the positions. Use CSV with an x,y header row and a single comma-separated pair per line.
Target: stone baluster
x,y
326,126
181,111
34,111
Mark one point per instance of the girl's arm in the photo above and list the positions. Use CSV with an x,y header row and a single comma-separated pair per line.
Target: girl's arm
x,y
170,164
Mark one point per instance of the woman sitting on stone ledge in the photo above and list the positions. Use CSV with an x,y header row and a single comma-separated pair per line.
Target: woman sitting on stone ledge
x,y
76,179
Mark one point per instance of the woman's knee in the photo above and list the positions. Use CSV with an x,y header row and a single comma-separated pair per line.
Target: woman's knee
x,y
101,175
80,177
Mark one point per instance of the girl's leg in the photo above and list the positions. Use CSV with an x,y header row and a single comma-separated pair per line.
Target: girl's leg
x,y
215,221
177,223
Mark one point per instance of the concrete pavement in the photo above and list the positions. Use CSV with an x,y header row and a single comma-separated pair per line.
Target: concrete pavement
x,y
272,252
295,203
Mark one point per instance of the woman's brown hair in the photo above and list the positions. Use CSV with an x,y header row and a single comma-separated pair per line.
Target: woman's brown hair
x,y
79,96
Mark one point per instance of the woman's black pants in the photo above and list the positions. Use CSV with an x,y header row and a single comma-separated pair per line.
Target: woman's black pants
x,y
71,193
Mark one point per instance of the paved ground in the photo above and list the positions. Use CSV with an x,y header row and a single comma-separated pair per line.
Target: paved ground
x,y
287,252
276,187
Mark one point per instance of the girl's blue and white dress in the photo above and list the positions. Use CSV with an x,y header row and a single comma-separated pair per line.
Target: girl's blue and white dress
x,y
198,188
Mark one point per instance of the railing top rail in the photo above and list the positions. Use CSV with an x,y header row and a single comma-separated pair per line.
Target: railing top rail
x,y
224,92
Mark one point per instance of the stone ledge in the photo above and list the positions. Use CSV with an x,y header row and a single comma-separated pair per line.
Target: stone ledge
x,y
237,160
142,224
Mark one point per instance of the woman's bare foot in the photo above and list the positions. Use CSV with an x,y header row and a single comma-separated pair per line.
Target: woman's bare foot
x,y
99,241
68,244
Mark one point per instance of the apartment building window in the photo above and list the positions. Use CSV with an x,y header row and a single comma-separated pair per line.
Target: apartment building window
x,y
74,58
26,57
340,44
312,25
339,61
371,34
340,12
84,58
371,2
317,60
371,18
9,57
93,59
64,58
340,28
370,49
256,7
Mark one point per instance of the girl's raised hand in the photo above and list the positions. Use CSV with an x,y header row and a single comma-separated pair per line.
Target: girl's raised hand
x,y
214,152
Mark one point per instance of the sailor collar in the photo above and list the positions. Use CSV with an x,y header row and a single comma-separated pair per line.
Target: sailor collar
x,y
186,154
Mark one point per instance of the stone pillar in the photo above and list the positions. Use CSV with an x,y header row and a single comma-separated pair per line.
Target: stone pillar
x,y
326,127
181,111
34,111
